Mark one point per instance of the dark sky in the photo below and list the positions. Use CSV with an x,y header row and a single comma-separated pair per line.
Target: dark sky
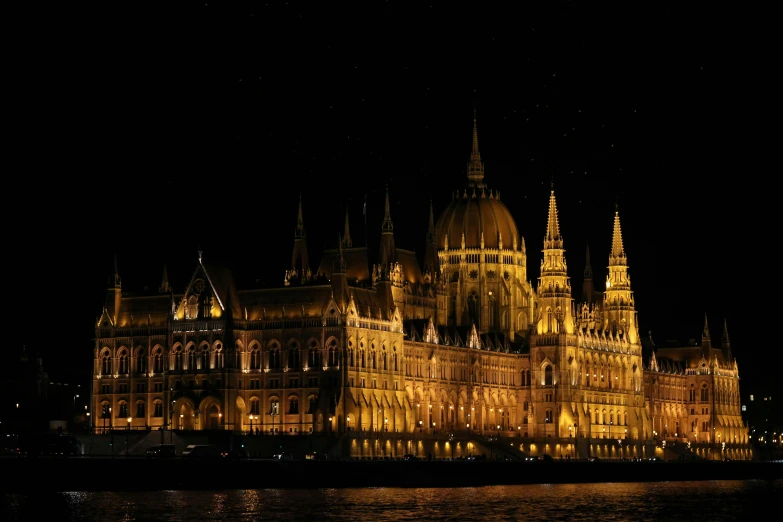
x,y
155,132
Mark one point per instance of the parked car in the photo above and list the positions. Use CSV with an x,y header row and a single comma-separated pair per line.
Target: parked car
x,y
283,456
201,451
160,451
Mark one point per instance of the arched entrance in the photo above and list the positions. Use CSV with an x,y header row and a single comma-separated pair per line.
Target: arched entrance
x,y
186,417
213,418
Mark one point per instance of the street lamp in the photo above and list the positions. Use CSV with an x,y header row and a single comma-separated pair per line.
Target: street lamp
x,y
251,424
127,436
349,422
181,421
330,424
220,420
386,425
419,427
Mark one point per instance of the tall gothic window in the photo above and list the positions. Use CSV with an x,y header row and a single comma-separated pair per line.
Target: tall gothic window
x,y
255,358
141,362
123,362
106,365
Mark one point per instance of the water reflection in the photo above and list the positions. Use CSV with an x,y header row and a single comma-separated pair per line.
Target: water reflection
x,y
706,500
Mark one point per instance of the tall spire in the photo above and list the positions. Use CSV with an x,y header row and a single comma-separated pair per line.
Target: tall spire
x,y
724,341
554,285
617,236
387,226
300,231
588,287
619,306
300,264
346,233
706,331
553,226
706,345
431,261
165,287
475,165
116,276
339,260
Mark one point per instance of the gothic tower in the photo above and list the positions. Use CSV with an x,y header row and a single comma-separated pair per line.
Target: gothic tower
x,y
619,308
300,266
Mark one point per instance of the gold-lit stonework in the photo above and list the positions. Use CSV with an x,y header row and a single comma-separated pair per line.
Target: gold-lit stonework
x,y
458,357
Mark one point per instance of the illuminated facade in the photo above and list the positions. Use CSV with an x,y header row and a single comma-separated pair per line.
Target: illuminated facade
x,y
460,353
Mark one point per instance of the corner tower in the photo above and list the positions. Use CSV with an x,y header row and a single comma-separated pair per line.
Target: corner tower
x,y
554,285
619,307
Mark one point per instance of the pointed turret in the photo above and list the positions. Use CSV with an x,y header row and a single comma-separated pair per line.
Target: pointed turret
x,y
387,252
725,342
619,307
554,285
347,243
339,278
300,265
387,226
431,261
300,230
114,294
165,287
588,286
706,343
475,165
116,280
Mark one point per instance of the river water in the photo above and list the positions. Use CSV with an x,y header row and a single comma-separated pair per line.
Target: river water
x,y
605,502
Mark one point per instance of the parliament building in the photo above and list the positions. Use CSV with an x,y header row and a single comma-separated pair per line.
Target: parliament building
x,y
388,356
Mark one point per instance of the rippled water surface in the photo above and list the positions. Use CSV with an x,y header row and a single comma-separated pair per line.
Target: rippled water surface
x,y
716,500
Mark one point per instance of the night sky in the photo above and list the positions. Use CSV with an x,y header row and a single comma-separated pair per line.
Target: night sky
x,y
153,133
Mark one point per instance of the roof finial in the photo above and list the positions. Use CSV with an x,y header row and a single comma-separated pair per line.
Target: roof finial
x,y
300,231
347,232
475,165
387,226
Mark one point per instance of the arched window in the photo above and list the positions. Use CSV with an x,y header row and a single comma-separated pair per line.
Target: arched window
x,y
274,356
548,375
312,404
313,360
219,357
204,358
705,394
122,411
122,361
255,358
177,353
141,362
549,417
106,364
293,405
294,357
157,361
333,354
255,406
141,411
191,358
274,407
157,409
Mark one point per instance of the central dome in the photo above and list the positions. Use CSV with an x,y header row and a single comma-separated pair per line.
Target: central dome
x,y
476,211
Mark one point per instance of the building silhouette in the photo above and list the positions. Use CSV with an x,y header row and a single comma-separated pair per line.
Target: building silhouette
x,y
398,357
